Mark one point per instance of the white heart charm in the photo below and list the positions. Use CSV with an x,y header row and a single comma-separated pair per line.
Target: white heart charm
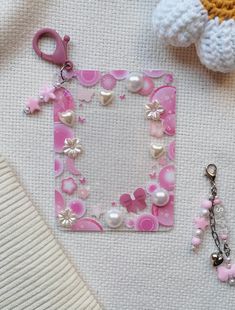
x,y
106,97
67,118
157,150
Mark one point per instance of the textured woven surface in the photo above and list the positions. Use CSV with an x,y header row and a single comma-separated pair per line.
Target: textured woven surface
x,y
35,273
128,271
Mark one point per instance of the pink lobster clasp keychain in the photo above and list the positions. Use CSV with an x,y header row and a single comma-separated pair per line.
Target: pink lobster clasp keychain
x,y
58,57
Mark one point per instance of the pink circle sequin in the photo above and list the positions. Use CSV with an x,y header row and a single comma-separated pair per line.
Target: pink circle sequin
x,y
171,150
61,132
78,207
119,74
63,102
196,241
146,222
58,167
166,177
147,88
108,82
87,224
88,77
169,124
166,96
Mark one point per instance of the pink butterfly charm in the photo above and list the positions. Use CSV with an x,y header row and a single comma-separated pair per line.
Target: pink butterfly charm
x,y
138,203
224,274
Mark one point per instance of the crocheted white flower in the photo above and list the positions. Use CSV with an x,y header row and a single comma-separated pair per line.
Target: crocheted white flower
x,y
210,24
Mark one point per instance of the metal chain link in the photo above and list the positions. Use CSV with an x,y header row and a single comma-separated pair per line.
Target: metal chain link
x,y
226,249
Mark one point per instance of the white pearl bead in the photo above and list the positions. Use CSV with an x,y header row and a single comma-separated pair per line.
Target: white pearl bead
x,y
228,260
231,282
160,197
205,212
199,232
135,82
114,217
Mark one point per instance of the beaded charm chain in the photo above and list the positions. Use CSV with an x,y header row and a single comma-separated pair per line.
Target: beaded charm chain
x,y
213,215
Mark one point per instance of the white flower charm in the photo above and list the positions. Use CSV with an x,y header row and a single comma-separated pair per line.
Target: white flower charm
x,y
72,147
154,110
67,218
210,24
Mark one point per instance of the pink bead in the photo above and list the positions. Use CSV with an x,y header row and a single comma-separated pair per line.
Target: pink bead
x,y
224,236
196,241
217,201
206,204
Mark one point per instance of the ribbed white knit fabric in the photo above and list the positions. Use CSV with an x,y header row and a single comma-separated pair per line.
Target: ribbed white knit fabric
x,y
34,271
183,22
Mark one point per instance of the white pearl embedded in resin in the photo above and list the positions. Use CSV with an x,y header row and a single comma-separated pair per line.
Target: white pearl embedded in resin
x,y
114,218
160,197
135,82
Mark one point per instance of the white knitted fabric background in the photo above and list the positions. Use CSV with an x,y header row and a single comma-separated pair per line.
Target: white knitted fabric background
x,y
126,271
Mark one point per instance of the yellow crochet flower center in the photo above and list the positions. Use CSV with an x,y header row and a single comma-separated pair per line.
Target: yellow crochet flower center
x,y
224,9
